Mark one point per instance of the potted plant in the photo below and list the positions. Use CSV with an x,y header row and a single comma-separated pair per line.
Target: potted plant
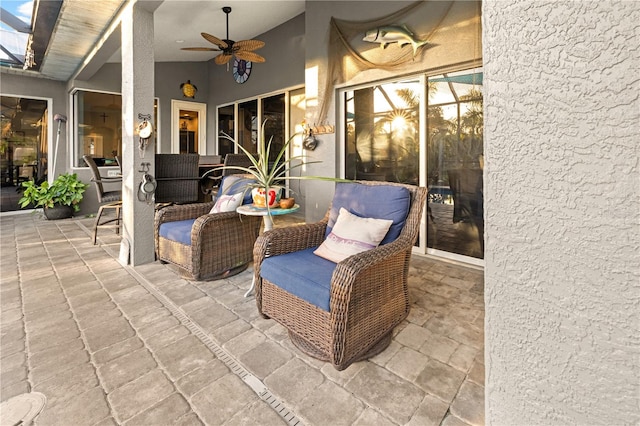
x,y
266,179
60,199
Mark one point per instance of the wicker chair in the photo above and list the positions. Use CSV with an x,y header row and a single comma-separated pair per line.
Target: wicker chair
x,y
366,294
208,246
178,178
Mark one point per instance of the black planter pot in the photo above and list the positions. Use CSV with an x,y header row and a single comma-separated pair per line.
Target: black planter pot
x,y
58,212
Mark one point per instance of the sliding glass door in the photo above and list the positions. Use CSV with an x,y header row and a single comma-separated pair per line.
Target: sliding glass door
x,y
426,130
24,146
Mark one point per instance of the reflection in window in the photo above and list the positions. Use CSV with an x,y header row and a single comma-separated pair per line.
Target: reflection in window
x,y
274,121
455,162
226,119
382,125
382,137
248,125
98,126
23,147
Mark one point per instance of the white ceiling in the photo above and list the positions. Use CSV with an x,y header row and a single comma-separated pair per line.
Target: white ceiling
x,y
186,19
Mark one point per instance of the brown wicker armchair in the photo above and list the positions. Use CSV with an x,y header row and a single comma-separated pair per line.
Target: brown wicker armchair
x,y
205,245
366,293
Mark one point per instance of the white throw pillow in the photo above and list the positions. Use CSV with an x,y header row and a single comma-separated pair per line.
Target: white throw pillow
x,y
227,203
352,234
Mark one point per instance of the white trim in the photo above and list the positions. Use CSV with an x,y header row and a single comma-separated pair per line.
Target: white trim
x,y
201,109
453,257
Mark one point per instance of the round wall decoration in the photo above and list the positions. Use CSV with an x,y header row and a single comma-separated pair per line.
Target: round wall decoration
x,y
241,70
188,90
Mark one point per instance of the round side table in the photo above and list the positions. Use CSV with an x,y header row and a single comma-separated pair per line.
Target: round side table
x,y
267,215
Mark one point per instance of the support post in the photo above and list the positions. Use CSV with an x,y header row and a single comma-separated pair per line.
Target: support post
x,y
137,246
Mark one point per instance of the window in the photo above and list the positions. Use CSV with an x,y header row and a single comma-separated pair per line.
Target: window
x,y
455,163
98,120
23,146
98,126
383,130
276,111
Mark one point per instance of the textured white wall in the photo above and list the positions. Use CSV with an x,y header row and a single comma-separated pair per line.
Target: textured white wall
x,y
562,203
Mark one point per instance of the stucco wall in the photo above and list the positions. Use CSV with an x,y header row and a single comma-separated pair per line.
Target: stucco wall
x,y
562,212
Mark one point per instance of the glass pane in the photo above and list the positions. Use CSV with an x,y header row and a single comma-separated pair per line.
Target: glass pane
x,y
383,132
23,149
454,163
226,119
274,121
248,125
188,132
99,127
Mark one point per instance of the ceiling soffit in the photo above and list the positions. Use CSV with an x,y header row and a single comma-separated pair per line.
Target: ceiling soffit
x,y
79,27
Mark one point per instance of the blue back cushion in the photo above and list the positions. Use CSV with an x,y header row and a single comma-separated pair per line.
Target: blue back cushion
x,y
234,184
376,201
302,274
179,231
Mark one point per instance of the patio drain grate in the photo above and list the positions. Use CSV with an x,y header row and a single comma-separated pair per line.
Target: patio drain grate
x,y
252,381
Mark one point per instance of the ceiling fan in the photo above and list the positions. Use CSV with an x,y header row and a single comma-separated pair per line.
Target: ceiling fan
x,y
243,49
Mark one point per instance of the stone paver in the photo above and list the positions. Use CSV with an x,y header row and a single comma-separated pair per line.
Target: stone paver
x,y
440,379
80,328
222,399
126,368
262,365
294,381
468,404
139,395
394,397
183,356
330,404
167,411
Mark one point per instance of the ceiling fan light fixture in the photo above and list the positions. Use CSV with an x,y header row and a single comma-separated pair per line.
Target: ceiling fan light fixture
x,y
243,49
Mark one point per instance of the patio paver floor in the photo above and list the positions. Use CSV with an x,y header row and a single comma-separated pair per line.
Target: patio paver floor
x,y
109,344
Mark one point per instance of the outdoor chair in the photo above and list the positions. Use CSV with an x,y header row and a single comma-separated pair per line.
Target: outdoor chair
x,y
208,241
345,309
214,177
240,160
177,177
107,199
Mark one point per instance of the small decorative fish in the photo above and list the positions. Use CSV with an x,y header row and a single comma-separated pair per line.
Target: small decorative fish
x,y
394,34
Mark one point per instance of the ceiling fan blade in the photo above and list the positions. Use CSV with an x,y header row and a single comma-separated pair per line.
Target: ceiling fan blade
x,y
200,49
249,56
215,40
248,44
222,58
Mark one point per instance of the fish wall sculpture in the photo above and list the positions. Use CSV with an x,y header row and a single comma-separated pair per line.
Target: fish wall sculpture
x,y
394,34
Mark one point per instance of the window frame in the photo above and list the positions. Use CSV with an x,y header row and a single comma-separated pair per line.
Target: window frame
x,y
73,140
423,77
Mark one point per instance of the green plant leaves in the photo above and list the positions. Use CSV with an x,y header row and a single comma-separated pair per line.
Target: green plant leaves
x,y
66,190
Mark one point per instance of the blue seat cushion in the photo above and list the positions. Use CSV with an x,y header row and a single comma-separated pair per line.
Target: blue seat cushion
x,y
179,231
302,274
234,184
375,201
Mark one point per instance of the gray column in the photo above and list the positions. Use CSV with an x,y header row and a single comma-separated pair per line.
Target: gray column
x,y
137,246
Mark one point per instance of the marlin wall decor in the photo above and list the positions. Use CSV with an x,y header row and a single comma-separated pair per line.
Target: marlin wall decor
x,y
394,34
